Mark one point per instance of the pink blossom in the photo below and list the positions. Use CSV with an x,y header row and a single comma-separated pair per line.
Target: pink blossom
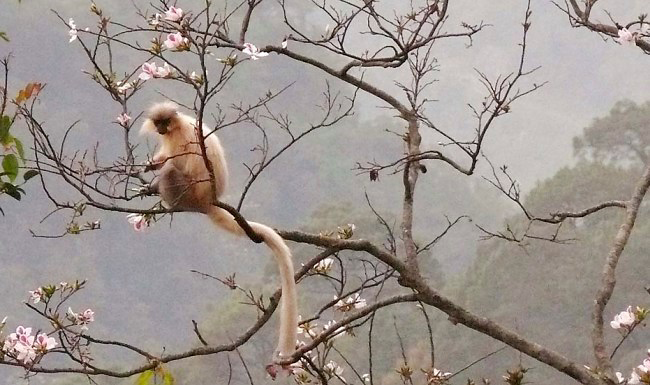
x,y
36,295
82,319
26,353
176,41
148,71
123,119
138,221
88,316
44,343
22,331
624,319
173,14
253,51
626,37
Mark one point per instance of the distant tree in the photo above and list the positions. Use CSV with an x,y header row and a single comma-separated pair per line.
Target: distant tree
x,y
621,136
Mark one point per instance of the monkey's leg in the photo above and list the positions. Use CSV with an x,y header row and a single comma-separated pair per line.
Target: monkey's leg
x,y
177,190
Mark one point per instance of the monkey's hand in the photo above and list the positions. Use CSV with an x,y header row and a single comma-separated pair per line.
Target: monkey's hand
x,y
149,190
151,166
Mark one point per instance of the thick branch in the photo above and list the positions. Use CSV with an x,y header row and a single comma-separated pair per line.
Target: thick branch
x,y
456,313
609,272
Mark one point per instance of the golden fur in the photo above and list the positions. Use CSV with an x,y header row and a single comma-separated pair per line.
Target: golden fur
x,y
183,183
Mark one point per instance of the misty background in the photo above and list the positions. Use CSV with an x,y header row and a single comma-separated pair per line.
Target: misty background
x,y
140,285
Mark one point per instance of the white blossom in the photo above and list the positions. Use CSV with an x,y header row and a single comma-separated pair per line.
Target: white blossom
x,y
155,20
352,302
73,30
333,369
122,88
624,319
253,51
324,266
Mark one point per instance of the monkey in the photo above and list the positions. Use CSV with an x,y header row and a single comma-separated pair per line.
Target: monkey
x,y
183,183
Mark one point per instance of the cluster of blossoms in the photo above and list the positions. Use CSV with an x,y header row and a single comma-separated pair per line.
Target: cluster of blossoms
x,y
73,30
332,369
123,87
44,293
352,302
25,347
628,318
311,329
640,374
139,221
81,319
151,70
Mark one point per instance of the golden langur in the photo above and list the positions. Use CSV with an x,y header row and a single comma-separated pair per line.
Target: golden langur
x,y
184,184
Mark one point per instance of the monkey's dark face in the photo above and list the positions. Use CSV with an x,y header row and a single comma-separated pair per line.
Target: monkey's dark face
x,y
162,125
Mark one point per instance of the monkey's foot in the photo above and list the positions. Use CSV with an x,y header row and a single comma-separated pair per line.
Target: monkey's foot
x,y
145,191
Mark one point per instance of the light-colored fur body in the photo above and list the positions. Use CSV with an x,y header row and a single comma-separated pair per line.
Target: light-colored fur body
x,y
184,183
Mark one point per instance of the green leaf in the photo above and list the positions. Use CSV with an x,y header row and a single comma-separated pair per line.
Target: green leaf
x,y
168,379
29,174
3,36
10,165
19,149
5,124
144,377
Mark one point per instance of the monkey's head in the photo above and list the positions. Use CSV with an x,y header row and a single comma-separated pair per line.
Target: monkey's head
x,y
161,117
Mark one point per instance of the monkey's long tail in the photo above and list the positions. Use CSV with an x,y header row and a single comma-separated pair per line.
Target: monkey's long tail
x,y
288,301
